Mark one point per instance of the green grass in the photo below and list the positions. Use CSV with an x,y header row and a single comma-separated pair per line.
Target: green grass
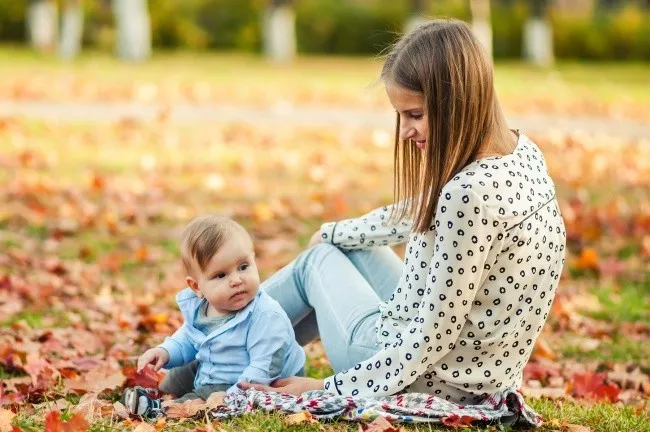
x,y
598,417
631,302
618,349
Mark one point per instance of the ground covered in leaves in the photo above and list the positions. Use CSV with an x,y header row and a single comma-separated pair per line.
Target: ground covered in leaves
x,y
90,220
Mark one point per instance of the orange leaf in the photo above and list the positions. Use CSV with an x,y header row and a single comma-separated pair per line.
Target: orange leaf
x,y
77,423
543,350
298,418
588,260
6,417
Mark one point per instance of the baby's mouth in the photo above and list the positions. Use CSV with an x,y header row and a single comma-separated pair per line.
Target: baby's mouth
x,y
238,294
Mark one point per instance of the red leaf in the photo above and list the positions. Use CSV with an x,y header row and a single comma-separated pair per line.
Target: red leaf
x,y
593,386
457,421
541,371
148,378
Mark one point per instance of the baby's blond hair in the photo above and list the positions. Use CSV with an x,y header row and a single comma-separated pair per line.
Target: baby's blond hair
x,y
203,236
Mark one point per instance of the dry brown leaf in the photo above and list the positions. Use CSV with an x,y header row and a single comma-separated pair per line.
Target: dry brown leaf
x,y
567,427
120,410
547,392
144,427
91,406
97,380
6,417
215,400
186,409
299,418
380,424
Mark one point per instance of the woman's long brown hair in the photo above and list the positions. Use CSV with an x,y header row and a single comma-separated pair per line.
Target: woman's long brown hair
x,y
443,61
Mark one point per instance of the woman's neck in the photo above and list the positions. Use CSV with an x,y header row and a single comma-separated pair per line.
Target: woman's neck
x,y
501,143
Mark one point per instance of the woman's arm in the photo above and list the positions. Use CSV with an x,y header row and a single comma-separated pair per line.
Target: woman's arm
x,y
467,241
370,230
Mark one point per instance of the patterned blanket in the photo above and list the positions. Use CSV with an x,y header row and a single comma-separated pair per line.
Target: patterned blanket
x,y
506,408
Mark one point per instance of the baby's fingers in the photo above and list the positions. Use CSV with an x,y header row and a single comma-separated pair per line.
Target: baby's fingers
x,y
160,362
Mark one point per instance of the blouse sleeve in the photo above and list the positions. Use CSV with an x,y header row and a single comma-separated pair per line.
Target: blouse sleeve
x,y
370,230
466,237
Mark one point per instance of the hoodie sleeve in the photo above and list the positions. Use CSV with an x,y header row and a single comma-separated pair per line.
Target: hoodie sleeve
x,y
180,347
370,230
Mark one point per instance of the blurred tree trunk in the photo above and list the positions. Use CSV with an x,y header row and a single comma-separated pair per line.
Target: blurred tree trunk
x,y
133,29
417,14
481,22
42,24
71,29
280,31
538,36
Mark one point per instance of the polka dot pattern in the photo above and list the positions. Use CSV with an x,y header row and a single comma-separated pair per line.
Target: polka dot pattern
x,y
476,288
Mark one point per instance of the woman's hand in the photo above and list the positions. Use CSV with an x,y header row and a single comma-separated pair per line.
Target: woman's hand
x,y
315,239
292,385
156,356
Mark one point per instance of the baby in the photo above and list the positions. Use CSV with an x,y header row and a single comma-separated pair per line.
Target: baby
x,y
233,332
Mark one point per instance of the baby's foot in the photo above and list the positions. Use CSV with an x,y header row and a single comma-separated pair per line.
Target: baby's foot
x,y
138,402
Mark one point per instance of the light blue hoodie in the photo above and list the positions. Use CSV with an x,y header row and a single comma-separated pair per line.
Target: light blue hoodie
x,y
257,345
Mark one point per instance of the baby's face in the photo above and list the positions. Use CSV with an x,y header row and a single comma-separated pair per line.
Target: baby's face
x,y
230,280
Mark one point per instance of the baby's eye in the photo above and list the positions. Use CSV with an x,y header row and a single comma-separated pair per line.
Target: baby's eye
x,y
243,266
220,276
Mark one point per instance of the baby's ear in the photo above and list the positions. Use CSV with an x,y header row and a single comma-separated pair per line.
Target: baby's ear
x,y
194,286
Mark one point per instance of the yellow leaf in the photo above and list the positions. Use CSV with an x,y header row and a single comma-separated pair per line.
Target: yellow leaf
x,y
298,418
6,417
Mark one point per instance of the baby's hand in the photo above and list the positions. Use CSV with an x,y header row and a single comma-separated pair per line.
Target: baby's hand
x,y
156,356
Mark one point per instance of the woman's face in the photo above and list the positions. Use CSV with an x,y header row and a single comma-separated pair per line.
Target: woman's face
x,y
409,105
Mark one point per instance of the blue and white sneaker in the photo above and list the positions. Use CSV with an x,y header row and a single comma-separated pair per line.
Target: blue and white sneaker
x,y
138,402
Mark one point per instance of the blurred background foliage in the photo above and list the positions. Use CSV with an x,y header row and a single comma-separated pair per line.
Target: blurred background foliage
x,y
604,30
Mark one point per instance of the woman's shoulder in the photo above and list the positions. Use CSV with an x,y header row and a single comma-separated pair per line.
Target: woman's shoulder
x,y
510,185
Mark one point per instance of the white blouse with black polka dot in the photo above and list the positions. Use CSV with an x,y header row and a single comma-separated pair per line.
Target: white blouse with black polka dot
x,y
476,288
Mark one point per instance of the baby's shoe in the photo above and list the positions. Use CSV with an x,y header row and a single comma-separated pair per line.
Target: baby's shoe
x,y
138,402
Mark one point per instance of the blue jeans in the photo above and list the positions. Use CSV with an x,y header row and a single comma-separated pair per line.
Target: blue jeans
x,y
336,294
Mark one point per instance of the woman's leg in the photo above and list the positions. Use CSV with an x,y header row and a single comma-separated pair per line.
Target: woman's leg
x,y
381,267
325,280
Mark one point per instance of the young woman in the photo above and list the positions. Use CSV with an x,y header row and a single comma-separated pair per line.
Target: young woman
x,y
459,316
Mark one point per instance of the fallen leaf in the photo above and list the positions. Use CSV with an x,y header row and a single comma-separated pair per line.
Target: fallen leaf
x,y
567,427
97,380
90,406
148,378
54,423
593,386
187,409
144,427
543,350
6,417
215,400
380,424
299,418
457,421
120,410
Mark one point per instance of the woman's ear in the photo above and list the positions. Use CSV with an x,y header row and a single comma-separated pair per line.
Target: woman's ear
x,y
194,286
